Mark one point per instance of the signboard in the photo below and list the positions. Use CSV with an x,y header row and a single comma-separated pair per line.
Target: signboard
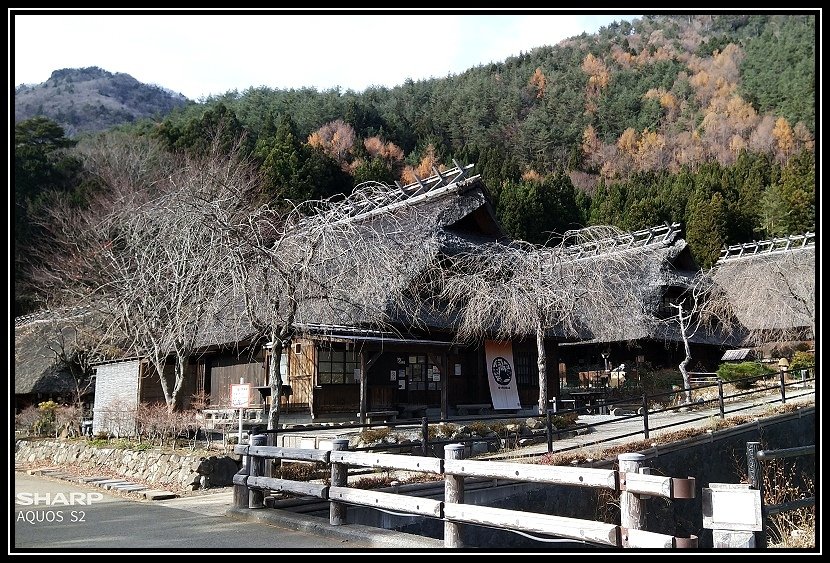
x,y
729,506
240,393
501,374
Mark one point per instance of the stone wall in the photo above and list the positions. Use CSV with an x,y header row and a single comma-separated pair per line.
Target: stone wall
x,y
152,467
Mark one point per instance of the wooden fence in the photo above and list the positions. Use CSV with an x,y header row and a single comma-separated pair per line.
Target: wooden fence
x,y
754,458
642,407
631,482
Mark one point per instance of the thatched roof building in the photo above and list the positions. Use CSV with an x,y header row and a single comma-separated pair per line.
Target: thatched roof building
x,y
771,287
39,342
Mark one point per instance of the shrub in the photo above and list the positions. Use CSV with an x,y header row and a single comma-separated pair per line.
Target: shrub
x,y
479,428
372,435
651,381
564,420
45,424
302,471
800,361
442,430
26,419
740,374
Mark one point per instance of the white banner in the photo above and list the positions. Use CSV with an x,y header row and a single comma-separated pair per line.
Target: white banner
x,y
501,374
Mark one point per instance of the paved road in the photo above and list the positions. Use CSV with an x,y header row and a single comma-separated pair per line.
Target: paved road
x,y
109,523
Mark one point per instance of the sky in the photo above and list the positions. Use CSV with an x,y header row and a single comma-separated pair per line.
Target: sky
x,y
211,53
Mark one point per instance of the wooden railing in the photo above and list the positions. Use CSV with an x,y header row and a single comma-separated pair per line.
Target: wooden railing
x,y
631,482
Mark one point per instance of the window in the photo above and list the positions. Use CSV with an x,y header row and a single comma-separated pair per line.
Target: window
x,y
527,372
336,367
416,372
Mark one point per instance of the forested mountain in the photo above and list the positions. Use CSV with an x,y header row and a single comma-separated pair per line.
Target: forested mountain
x,y
91,99
704,120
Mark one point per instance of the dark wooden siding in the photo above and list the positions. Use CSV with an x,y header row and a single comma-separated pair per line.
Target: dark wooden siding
x,y
224,370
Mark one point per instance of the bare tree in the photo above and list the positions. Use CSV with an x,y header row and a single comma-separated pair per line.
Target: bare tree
x,y
76,340
143,258
586,286
339,261
693,314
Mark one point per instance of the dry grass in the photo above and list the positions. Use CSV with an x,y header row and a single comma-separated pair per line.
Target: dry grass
x,y
611,452
783,482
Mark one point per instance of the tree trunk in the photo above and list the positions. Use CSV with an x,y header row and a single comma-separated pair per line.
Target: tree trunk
x,y
175,403
275,381
158,365
543,371
687,387
686,384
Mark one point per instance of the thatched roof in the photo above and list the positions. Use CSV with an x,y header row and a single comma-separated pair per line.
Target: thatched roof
x,y
37,337
770,286
435,218
665,267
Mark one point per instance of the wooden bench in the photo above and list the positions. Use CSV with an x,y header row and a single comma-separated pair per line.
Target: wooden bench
x,y
380,416
479,408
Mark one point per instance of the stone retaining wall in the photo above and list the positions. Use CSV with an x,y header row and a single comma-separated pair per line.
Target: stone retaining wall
x,y
154,467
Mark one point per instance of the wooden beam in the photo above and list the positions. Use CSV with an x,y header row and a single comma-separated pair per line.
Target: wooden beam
x,y
275,452
389,501
389,461
285,486
560,526
552,474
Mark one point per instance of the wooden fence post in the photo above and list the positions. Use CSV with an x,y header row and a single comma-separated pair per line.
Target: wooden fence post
x,y
424,436
645,416
256,497
632,507
720,398
339,478
549,429
783,392
240,492
755,477
453,492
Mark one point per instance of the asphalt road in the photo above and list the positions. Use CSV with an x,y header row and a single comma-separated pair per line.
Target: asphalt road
x,y
72,520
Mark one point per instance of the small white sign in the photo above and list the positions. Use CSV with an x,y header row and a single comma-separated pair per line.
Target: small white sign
x,y
393,375
728,506
240,393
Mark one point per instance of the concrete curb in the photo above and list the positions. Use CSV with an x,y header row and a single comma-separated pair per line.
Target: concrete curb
x,y
373,537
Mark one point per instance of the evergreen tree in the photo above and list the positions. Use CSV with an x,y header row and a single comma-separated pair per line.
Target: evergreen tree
x,y
706,226
42,167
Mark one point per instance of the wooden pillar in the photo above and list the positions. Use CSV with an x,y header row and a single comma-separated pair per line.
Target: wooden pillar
x,y
453,492
339,478
240,492
256,497
632,507
443,363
